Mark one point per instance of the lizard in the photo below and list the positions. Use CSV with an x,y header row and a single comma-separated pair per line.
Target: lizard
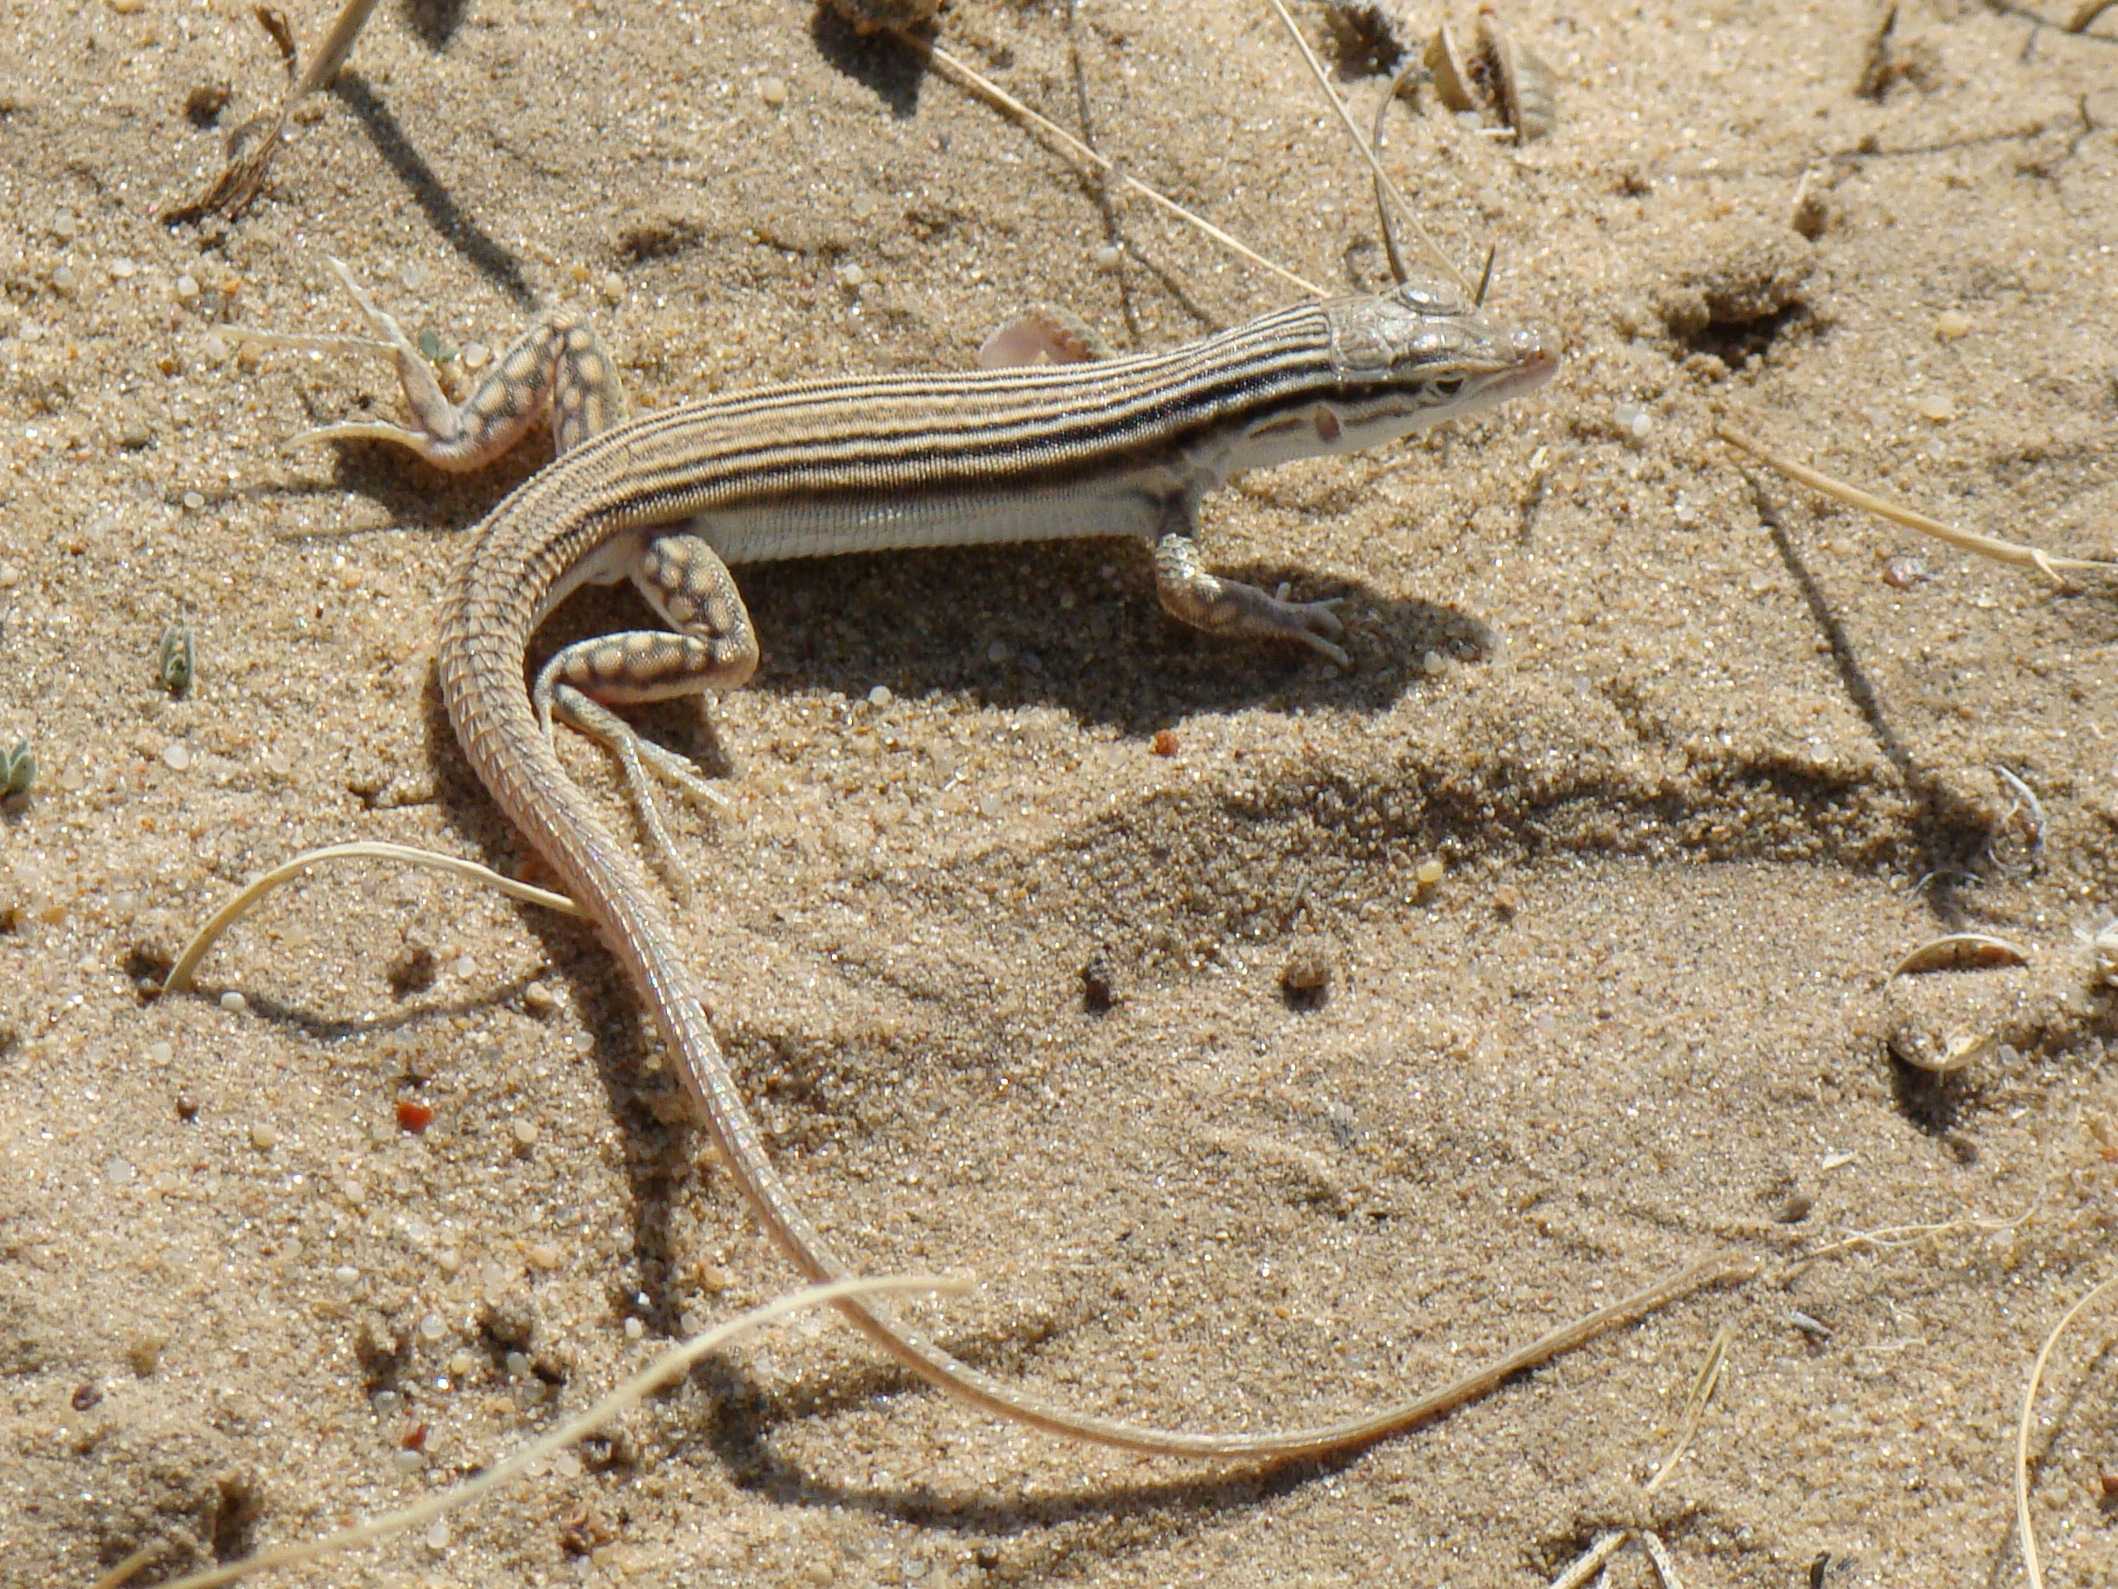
x,y
1087,445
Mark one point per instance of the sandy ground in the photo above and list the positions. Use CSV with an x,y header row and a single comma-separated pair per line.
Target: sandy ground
x,y
1698,779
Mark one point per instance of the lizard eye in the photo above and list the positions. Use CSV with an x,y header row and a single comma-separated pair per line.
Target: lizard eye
x,y
1449,386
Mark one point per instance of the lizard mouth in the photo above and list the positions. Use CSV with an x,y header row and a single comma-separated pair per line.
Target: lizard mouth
x,y
1538,365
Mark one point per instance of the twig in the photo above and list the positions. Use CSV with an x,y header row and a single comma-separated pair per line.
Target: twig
x,y
2022,1432
179,978
2001,551
663,1369
987,89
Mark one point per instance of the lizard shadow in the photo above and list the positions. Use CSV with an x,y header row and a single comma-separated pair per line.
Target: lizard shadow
x,y
829,606
738,1427
1076,625
889,71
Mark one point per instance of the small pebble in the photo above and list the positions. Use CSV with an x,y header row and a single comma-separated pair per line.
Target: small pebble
x,y
1951,324
1108,256
64,280
1306,975
176,756
773,91
431,1328
193,502
517,1365
187,288
387,1403
1902,573
634,1329
123,269
880,696
1429,873
1633,420
474,355
234,1003
264,1137
1937,407
525,1134
408,1461
544,1255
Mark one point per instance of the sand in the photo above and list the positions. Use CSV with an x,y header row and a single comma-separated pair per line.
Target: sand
x,y
1697,775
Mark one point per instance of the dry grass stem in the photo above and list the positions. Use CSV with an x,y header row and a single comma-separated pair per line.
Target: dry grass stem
x,y
666,1367
1382,178
1586,1565
1703,1385
993,93
179,978
2015,553
2022,1431
1658,1553
1888,1237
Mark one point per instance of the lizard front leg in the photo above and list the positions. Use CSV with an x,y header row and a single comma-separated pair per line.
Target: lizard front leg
x,y
1226,606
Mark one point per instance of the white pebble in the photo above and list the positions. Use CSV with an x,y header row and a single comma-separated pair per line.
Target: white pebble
x,y
187,288
880,696
123,269
176,756
234,1003
431,1328
773,91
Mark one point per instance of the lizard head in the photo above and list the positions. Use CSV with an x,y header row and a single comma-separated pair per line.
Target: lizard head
x,y
1418,355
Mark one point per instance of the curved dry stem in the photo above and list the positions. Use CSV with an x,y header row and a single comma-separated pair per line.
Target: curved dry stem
x,y
2022,1432
179,978
2001,551
663,1369
993,93
1382,178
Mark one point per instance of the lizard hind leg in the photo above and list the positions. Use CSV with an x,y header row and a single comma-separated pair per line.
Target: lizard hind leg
x,y
555,369
710,645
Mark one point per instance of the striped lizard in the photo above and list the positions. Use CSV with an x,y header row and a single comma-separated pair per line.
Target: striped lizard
x,y
1119,446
